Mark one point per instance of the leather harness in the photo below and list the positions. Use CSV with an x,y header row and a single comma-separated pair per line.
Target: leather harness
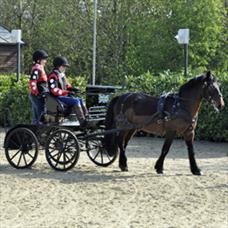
x,y
161,115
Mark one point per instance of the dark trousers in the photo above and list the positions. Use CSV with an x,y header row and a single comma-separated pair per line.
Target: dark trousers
x,y
37,108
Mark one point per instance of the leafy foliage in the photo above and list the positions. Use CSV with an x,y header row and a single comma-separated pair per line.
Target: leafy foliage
x,y
133,36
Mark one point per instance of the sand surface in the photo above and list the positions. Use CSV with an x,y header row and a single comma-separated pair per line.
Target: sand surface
x,y
91,196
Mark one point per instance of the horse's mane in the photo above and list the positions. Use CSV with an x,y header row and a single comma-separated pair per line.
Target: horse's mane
x,y
191,83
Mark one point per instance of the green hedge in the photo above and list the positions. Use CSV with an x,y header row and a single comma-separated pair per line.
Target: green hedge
x,y
211,125
14,102
15,105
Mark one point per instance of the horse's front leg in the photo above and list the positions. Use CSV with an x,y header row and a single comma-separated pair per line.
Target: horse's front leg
x,y
189,138
165,149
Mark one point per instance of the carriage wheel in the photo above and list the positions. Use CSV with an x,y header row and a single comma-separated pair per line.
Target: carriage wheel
x,y
98,154
62,150
21,148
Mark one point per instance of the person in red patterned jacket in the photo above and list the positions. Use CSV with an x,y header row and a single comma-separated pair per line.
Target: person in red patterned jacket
x,y
38,85
63,90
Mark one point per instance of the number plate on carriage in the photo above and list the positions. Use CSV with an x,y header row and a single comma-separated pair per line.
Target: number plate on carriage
x,y
103,98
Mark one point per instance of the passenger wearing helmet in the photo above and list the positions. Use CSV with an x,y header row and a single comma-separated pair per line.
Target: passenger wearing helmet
x,y
38,84
61,88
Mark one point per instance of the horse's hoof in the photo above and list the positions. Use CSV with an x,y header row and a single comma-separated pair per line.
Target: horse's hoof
x,y
159,171
197,172
124,169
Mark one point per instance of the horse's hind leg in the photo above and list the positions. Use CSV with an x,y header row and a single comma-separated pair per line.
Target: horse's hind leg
x,y
165,149
191,154
122,156
128,137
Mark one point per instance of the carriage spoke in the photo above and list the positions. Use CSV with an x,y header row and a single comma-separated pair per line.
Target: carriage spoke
x,y
15,143
53,156
24,158
26,143
51,151
67,148
102,159
96,155
64,160
55,139
108,156
58,158
19,159
15,154
29,155
63,152
58,137
63,138
53,148
69,159
19,139
24,138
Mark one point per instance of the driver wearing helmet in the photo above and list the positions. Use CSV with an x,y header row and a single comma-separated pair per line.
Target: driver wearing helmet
x,y
38,84
61,88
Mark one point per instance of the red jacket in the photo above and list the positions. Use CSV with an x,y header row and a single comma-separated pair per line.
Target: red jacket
x,y
38,79
58,84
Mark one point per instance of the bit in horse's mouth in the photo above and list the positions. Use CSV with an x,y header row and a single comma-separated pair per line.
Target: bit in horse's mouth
x,y
217,107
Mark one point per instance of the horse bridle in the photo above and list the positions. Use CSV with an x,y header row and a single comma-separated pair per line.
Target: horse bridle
x,y
207,91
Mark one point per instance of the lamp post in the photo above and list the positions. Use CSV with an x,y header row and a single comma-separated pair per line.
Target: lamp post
x,y
183,38
94,41
16,34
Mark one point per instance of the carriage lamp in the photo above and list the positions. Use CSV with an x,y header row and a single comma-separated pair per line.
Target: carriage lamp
x,y
183,38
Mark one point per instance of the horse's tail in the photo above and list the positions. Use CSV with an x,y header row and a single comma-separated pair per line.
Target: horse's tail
x,y
110,141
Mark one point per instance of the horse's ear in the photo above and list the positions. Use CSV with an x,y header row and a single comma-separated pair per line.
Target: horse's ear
x,y
208,75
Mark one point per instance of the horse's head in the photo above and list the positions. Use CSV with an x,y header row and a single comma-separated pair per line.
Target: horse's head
x,y
211,91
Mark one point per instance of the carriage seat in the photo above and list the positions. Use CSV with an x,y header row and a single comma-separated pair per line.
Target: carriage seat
x,y
55,107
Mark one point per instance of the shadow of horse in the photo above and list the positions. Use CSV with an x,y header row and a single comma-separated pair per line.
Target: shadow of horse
x,y
78,175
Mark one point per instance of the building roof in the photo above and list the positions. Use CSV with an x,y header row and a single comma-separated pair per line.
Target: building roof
x,y
7,37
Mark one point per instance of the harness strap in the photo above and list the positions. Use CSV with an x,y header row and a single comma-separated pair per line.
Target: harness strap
x,y
178,111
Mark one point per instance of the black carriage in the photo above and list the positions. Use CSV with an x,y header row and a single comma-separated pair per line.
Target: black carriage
x,y
61,136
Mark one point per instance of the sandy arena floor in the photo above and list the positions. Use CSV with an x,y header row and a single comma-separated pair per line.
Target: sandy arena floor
x,y
90,196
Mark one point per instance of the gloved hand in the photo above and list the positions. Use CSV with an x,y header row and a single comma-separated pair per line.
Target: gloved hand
x,y
45,94
70,93
42,95
76,90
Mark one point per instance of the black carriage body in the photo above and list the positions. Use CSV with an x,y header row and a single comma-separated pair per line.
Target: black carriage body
x,y
97,100
97,95
23,141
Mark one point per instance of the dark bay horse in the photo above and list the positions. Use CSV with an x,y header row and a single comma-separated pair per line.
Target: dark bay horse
x,y
131,112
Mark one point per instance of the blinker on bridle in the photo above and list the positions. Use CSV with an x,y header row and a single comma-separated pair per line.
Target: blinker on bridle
x,y
207,94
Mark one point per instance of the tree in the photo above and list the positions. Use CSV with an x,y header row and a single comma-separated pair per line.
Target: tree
x,y
133,36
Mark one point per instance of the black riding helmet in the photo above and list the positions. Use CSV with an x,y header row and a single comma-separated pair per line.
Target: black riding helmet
x,y
60,61
39,55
